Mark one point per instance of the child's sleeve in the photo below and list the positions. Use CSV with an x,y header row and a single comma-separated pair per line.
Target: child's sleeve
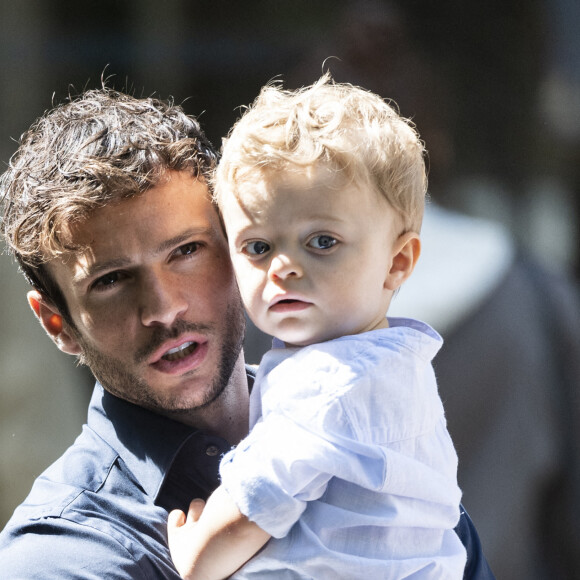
x,y
301,442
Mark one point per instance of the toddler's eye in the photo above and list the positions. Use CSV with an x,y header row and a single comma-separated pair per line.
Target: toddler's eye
x,y
257,248
322,242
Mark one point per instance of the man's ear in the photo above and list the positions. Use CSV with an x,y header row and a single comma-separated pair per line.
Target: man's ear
x,y
405,255
51,320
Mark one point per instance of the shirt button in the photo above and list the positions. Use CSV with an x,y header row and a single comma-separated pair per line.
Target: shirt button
x,y
212,450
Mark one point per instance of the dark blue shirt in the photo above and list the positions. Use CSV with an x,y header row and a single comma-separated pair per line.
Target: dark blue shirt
x,y
100,511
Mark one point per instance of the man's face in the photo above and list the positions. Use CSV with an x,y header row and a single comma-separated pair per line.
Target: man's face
x,y
157,313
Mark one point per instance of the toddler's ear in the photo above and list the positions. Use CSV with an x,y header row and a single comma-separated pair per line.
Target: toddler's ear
x,y
51,320
406,251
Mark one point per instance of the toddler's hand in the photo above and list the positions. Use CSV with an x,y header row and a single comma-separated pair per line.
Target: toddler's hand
x,y
181,534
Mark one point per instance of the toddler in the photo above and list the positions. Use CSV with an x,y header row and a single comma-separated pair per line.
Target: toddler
x,y
349,470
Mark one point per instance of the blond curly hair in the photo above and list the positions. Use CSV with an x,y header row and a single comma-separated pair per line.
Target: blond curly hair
x,y
338,125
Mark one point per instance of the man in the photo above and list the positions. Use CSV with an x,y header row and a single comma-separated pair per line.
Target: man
x,y
107,210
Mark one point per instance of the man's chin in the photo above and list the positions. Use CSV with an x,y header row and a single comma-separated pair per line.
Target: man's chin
x,y
175,406
179,407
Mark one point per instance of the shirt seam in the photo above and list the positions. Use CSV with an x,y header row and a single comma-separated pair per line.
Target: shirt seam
x,y
102,533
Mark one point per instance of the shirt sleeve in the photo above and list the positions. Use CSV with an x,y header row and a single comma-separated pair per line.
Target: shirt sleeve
x,y
326,415
57,548
476,567
289,457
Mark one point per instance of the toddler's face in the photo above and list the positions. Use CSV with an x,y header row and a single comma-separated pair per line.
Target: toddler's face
x,y
312,256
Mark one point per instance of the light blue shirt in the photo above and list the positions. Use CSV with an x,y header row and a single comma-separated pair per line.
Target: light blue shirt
x,y
349,465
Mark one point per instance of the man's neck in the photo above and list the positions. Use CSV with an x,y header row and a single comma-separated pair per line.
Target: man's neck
x,y
232,421
228,415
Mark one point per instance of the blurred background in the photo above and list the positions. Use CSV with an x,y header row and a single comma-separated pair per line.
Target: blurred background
x,y
494,89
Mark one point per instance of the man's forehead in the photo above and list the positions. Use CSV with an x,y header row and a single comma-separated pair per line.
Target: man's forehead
x,y
176,191
166,214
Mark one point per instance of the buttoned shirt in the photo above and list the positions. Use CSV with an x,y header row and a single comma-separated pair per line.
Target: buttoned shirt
x,y
100,511
349,465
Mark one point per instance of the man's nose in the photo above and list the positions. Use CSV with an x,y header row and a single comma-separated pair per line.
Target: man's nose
x,y
283,266
162,299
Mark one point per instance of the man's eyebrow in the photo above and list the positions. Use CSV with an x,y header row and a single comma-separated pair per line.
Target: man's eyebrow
x,y
95,269
185,236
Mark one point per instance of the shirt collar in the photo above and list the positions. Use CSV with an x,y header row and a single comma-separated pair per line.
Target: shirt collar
x,y
146,442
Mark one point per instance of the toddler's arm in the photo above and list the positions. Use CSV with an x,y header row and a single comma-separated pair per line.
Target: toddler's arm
x,y
212,542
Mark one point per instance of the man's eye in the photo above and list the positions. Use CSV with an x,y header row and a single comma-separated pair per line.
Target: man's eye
x,y
257,248
106,281
322,242
188,249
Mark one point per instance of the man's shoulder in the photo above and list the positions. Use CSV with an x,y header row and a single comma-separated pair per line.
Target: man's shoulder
x,y
60,497
86,511
83,467
51,548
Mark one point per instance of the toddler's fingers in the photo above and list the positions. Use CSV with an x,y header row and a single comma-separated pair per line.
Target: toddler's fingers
x,y
176,519
195,509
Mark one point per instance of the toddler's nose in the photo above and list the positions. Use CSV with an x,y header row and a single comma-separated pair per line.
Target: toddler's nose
x,y
283,267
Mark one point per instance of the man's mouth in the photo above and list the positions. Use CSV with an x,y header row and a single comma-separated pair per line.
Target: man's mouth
x,y
181,358
180,351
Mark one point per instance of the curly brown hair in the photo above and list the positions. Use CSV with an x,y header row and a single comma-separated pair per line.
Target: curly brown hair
x,y
93,150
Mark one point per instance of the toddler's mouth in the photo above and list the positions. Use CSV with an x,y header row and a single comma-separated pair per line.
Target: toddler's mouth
x,y
289,305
